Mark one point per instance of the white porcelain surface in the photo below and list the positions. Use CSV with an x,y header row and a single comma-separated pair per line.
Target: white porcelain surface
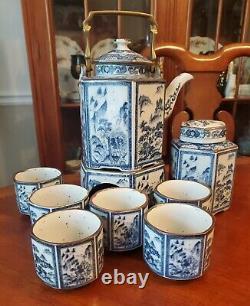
x,y
37,175
121,210
26,182
67,247
180,219
66,226
119,199
56,197
174,191
177,240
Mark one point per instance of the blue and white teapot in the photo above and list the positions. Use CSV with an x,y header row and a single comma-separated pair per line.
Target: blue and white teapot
x,y
124,102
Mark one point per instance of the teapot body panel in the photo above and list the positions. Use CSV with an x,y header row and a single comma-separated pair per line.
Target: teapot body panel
x,y
122,122
149,121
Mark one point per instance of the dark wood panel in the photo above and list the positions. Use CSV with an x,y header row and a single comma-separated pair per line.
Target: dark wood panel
x,y
39,33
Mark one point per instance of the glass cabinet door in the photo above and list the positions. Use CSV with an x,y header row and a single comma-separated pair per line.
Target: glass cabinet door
x,y
214,24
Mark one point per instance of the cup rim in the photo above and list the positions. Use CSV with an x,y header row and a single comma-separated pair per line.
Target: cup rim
x,y
211,227
56,207
38,182
119,211
63,244
181,200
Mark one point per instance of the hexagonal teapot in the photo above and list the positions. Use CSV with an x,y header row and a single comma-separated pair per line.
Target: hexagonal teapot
x,y
124,102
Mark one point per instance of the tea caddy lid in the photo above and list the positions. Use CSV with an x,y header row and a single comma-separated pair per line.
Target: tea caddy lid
x,y
122,61
203,131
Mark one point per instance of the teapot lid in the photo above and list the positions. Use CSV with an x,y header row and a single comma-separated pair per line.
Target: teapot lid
x,y
121,61
203,131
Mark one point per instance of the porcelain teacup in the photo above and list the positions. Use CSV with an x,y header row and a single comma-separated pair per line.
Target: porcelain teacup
x,y
28,181
121,210
57,197
183,191
67,248
177,240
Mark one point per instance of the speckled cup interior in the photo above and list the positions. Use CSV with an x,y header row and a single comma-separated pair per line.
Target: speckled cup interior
x,y
66,226
183,190
58,196
37,175
119,199
179,219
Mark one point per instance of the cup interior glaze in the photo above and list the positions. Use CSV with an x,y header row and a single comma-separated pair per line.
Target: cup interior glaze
x,y
119,199
179,219
58,196
37,175
183,190
66,226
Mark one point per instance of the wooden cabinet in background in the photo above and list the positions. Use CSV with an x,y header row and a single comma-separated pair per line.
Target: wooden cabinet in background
x,y
179,21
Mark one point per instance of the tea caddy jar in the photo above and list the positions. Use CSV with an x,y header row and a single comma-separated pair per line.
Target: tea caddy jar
x,y
203,154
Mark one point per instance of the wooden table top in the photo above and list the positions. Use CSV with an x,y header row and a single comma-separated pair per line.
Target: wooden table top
x,y
226,282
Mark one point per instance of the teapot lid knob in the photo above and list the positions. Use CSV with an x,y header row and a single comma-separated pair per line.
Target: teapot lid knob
x,y
122,44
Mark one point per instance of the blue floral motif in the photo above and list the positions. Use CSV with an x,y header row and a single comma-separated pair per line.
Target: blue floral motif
x,y
126,70
202,133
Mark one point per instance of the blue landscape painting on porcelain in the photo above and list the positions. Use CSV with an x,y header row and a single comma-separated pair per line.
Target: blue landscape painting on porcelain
x,y
122,231
23,191
37,212
144,180
91,178
126,230
153,250
76,265
208,249
224,180
104,216
107,129
211,164
45,262
100,251
196,166
149,118
185,258
69,266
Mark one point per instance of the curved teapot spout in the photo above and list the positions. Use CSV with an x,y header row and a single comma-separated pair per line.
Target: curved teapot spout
x,y
173,90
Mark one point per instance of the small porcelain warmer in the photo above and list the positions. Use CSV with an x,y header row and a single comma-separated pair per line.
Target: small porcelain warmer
x,y
204,155
124,102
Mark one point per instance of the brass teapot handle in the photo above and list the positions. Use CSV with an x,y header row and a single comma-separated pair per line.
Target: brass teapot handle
x,y
87,28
